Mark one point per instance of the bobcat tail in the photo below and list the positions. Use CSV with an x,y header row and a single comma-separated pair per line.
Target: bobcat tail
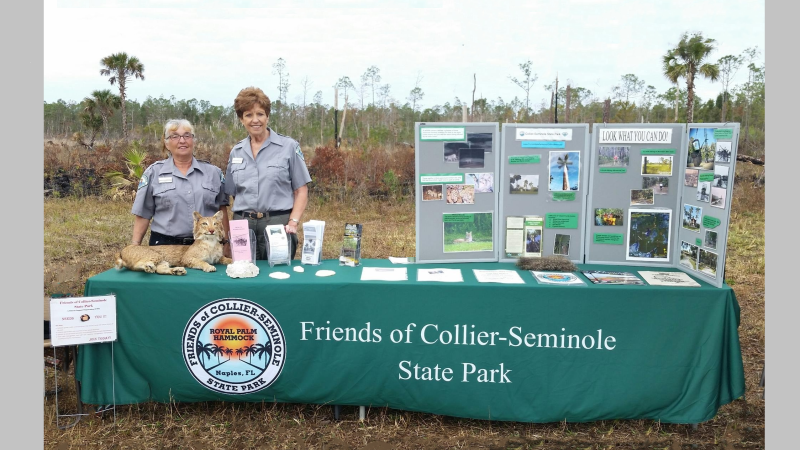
x,y
119,263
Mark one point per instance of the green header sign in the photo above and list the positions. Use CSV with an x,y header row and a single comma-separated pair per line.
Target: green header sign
x,y
609,238
658,151
524,159
710,222
561,220
723,133
706,176
458,218
613,170
439,178
563,196
533,222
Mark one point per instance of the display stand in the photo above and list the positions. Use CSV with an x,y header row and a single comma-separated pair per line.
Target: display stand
x,y
623,199
544,172
277,245
457,168
701,247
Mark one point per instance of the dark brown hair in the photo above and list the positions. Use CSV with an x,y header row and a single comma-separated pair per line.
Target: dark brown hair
x,y
249,97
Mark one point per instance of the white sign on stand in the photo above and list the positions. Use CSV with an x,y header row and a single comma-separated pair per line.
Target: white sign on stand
x,y
83,320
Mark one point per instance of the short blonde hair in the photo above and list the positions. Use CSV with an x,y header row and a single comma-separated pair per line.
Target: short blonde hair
x,y
174,124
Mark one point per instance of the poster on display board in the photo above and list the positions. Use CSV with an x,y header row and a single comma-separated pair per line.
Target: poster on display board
x,y
456,191
706,183
634,194
544,174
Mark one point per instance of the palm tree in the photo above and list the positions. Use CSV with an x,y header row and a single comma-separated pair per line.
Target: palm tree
x,y
239,352
105,102
120,68
686,61
203,350
562,164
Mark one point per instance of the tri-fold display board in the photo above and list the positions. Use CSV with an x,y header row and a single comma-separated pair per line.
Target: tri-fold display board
x,y
456,191
654,195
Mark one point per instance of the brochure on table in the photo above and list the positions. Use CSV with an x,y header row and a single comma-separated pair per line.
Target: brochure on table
x,y
457,167
543,173
313,234
646,203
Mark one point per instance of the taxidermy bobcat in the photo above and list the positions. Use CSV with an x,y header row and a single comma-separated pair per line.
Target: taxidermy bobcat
x,y
468,238
172,259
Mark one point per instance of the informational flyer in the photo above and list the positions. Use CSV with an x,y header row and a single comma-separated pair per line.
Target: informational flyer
x,y
668,279
558,278
498,276
240,241
515,237
278,244
384,274
83,320
443,275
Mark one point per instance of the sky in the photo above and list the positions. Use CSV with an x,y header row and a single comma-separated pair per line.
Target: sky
x,y
196,49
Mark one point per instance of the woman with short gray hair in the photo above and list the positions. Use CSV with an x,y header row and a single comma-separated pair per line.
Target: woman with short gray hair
x,y
172,189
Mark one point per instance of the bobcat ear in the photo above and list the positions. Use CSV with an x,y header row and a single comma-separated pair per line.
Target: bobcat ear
x,y
218,215
196,215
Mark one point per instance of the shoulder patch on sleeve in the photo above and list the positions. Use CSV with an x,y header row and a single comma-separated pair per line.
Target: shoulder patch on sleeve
x,y
143,181
299,152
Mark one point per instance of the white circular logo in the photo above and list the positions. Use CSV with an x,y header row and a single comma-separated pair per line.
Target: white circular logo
x,y
234,346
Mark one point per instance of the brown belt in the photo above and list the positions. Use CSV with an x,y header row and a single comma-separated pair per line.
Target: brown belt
x,y
261,215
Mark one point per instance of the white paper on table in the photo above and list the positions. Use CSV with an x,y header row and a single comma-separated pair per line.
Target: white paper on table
x,y
562,278
404,260
444,275
498,276
668,279
384,274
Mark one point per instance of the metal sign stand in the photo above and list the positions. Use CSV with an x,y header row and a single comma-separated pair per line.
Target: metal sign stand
x,y
80,414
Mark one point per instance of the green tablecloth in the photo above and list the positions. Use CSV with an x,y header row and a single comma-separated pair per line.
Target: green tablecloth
x,y
627,352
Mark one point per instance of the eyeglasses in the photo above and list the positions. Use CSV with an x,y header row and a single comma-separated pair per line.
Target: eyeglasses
x,y
176,137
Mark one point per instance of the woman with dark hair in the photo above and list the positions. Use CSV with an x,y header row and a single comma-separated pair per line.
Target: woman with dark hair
x,y
267,173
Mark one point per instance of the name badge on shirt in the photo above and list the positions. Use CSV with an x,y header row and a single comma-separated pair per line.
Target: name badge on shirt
x,y
165,179
237,160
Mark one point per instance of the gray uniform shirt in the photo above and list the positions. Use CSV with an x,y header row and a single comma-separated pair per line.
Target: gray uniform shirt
x,y
268,182
170,197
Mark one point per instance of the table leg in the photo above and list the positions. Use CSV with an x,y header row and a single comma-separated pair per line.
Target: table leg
x,y
361,413
337,409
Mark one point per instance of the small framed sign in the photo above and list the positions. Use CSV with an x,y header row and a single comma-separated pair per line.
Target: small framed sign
x,y
83,320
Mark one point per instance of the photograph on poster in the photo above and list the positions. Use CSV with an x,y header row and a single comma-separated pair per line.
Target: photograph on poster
x,y
707,263
659,185
460,194
702,148
688,255
718,197
561,245
723,152
523,184
721,177
608,217
710,240
690,178
609,156
704,191
656,165
451,151
468,232
533,240
564,171
691,217
642,197
480,140
431,192
470,158
648,234
483,182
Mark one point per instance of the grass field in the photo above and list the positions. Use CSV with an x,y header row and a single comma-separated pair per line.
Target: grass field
x,y
81,236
